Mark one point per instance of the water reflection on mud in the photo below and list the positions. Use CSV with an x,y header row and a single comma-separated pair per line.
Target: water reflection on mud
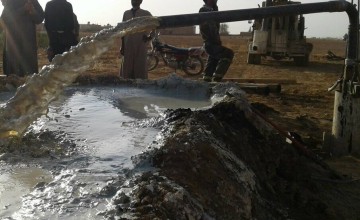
x,y
91,135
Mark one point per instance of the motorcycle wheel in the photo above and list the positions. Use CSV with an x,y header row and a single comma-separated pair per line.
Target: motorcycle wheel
x,y
152,61
193,66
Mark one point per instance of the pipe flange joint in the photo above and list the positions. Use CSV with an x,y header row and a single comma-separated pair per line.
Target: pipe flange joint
x,y
350,62
356,91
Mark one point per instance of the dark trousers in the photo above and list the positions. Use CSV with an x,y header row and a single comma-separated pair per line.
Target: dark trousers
x,y
219,60
60,42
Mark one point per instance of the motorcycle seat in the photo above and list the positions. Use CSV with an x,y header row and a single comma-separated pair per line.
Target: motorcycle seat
x,y
181,50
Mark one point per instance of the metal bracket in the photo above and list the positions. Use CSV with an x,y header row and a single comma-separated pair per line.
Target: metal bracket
x,y
355,90
350,62
333,87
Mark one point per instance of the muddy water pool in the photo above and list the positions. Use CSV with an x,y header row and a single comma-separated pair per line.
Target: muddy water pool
x,y
103,128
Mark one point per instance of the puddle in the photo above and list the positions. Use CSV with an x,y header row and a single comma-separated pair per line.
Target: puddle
x,y
15,183
107,126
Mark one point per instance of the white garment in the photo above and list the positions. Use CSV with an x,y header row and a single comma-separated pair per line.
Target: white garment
x,y
134,64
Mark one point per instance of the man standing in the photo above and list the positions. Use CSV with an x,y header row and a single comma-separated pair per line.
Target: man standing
x,y
134,47
60,24
220,57
19,19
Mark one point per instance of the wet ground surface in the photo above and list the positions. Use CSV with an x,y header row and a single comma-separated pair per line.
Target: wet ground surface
x,y
64,166
156,150
227,163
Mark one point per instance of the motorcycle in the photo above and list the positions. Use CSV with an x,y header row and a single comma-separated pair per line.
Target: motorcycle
x,y
190,60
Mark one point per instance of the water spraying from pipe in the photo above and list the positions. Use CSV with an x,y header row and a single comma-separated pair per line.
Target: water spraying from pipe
x,y
32,99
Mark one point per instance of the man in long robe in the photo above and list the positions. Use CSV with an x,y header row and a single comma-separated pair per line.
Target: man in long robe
x,y
19,19
134,47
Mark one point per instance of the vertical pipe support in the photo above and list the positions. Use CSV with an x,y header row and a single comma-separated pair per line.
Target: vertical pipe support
x,y
345,136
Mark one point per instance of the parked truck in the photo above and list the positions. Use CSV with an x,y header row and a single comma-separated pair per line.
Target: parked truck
x,y
279,37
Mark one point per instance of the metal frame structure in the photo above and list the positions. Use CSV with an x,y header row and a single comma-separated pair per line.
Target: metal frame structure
x,y
279,37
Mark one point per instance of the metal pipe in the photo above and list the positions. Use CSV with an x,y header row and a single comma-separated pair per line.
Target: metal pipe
x,y
265,12
345,136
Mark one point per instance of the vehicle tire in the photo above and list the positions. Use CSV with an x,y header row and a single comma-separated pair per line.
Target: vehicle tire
x,y
254,59
309,48
277,57
193,66
152,61
301,61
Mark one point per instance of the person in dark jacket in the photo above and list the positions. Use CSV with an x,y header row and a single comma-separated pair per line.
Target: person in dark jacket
x,y
220,57
61,26
19,19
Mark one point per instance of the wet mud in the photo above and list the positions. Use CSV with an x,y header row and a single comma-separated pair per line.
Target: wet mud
x,y
216,164
223,162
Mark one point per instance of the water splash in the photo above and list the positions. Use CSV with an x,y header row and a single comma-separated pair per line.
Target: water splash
x,y
32,99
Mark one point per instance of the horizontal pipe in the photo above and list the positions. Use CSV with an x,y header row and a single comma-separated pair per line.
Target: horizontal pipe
x,y
264,12
252,13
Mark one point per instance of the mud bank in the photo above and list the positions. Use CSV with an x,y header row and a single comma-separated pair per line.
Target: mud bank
x,y
223,163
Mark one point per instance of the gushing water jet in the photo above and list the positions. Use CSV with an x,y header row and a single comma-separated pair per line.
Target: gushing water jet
x,y
32,99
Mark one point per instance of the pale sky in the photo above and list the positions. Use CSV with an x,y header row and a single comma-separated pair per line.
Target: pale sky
x,y
110,12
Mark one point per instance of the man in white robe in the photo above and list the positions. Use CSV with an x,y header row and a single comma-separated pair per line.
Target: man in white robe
x,y
134,47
